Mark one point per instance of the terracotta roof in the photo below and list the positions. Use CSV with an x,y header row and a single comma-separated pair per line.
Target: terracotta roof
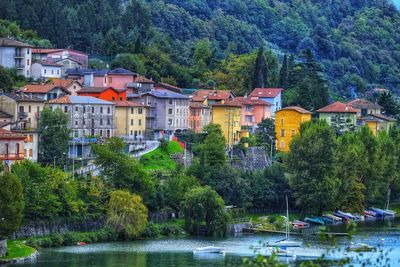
x,y
125,103
363,103
168,87
98,89
201,95
296,108
74,99
253,102
62,82
266,92
53,50
227,104
142,79
5,134
39,88
7,42
337,107
197,105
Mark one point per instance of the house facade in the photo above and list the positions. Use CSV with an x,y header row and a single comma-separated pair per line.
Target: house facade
x,y
168,113
287,125
90,119
253,111
46,70
270,95
72,86
130,119
15,54
199,116
104,93
229,116
365,107
56,55
378,123
209,97
340,116
11,147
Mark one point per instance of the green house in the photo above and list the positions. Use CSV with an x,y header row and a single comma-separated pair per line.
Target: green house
x,y
340,116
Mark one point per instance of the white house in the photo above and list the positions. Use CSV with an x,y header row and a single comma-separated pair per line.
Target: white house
x,y
270,95
15,54
46,70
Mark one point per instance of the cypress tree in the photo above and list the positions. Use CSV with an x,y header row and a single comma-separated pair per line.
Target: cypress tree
x,y
283,74
259,72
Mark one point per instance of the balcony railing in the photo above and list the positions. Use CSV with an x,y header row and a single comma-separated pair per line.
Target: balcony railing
x,y
20,66
22,115
19,55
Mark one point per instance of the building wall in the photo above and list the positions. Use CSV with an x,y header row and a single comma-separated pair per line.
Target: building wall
x,y
130,121
68,64
74,88
118,81
257,114
230,120
20,58
328,117
31,146
276,103
98,81
287,125
32,110
40,71
369,111
108,95
198,118
13,154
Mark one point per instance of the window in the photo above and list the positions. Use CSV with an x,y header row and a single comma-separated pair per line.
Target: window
x,y
31,153
170,111
76,108
110,79
17,149
140,122
29,109
108,110
108,133
170,101
27,61
249,118
140,110
76,122
52,71
132,110
108,122
131,132
27,73
169,122
83,122
282,145
101,109
101,132
58,71
76,134
65,109
131,122
92,123
74,87
92,109
282,132
6,149
105,79
84,109
28,51
113,98
292,132
37,109
249,108
120,98
44,71
101,121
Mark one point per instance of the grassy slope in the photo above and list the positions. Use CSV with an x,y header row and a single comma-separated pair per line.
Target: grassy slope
x,y
159,159
17,249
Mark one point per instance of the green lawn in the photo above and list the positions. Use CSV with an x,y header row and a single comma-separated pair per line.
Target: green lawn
x,y
17,249
159,159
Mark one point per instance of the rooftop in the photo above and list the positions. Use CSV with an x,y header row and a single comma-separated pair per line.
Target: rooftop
x,y
201,95
39,88
141,79
22,97
266,92
79,100
121,71
168,87
296,108
160,93
62,82
7,42
337,107
378,117
227,103
54,50
253,102
125,103
197,105
5,134
98,89
363,104
48,63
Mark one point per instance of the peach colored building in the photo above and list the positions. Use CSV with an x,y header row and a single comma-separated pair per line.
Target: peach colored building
x,y
253,111
117,78
209,97
199,116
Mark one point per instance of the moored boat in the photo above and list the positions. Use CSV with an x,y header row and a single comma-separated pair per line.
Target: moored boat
x,y
345,215
209,249
314,220
336,219
300,225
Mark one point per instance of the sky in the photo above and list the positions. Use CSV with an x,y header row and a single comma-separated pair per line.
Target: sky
x,y
397,3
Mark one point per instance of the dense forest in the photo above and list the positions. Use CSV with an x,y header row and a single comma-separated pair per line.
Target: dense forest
x,y
209,42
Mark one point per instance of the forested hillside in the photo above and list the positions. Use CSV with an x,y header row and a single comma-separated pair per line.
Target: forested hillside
x,y
194,42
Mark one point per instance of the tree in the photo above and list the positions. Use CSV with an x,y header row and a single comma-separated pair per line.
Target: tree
x,y
265,134
176,186
11,206
6,80
310,167
212,152
204,209
283,73
260,68
54,135
390,105
130,62
122,171
126,213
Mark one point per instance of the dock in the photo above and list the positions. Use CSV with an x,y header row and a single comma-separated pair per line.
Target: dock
x,y
307,231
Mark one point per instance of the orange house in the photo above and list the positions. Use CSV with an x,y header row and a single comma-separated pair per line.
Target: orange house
x,y
11,147
104,93
199,116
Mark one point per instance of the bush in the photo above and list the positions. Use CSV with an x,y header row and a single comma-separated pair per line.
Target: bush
x,y
151,231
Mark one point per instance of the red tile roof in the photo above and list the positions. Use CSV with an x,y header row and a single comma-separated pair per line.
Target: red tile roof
x,y
62,82
266,92
142,79
363,103
228,103
5,134
201,95
253,102
337,107
168,87
98,89
39,88
296,108
53,50
124,103
61,100
197,105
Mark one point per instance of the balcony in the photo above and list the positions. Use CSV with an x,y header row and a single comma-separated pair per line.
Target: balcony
x,y
19,54
20,66
22,115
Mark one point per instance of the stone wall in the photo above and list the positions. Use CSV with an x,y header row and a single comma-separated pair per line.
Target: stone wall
x,y
255,158
42,228
3,247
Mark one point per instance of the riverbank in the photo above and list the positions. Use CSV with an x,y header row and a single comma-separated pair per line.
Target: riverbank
x,y
18,251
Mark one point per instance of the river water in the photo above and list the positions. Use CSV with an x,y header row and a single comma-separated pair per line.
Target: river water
x,y
179,252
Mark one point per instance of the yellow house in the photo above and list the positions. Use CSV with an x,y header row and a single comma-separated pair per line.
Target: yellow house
x,y
228,115
287,125
130,119
378,123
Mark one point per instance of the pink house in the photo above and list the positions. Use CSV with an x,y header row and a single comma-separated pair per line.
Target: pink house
x,y
253,111
116,78
55,55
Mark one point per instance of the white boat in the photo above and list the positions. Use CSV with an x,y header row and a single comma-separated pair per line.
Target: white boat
x,y
285,242
282,253
360,247
209,249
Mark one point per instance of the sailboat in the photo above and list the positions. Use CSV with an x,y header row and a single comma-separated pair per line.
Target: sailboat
x,y
285,242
